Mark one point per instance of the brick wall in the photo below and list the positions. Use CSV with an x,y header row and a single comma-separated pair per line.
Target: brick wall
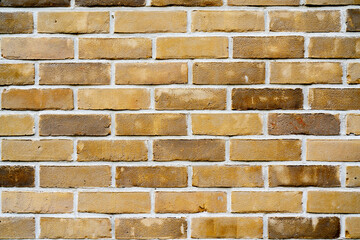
x,y
180,119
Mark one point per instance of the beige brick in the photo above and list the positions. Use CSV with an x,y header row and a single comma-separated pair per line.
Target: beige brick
x,y
35,3
16,22
227,124
37,48
150,22
75,228
15,227
265,150
334,47
16,125
190,99
332,2
223,21
227,227
334,98
353,176
194,3
189,150
227,176
190,202
151,73
75,176
109,3
191,47
114,48
151,124
37,99
264,2
37,202
353,20
17,74
37,150
353,124
353,73
333,202
116,150
352,229
114,202
305,73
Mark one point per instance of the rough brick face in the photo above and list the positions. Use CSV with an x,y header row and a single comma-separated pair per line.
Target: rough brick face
x,y
353,20
17,74
109,3
35,3
353,124
335,99
353,76
200,3
334,47
264,2
16,22
333,202
352,227
16,125
17,176
353,176
14,227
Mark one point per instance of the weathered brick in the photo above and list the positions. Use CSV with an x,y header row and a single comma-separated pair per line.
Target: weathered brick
x,y
152,124
151,73
333,202
35,3
227,124
332,2
17,176
334,98
305,73
190,202
265,150
301,227
353,73
150,228
109,3
75,228
227,227
17,74
352,229
266,98
269,47
37,48
114,99
310,21
151,22
114,48
37,99
114,202
188,3
16,227
353,20
116,150
189,150
353,176
353,124
334,47
216,21
16,22
220,73
190,99
37,202
74,125
304,176
191,47
16,125
75,176
37,150
74,73
303,123
73,22
263,2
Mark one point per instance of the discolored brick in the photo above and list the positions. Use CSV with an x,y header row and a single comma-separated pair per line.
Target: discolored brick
x,y
16,22
333,202
187,3
264,2
334,47
17,176
17,227
16,125
353,20
109,3
353,73
353,176
352,229
334,98
35,3
17,74
353,124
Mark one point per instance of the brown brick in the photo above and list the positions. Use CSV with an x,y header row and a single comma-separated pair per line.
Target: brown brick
x,y
16,22
37,99
265,201
310,21
269,47
220,73
353,20
17,176
333,202
188,3
151,124
353,73
151,73
116,150
190,99
109,3
37,48
37,202
17,74
304,176
37,150
335,98
332,2
227,176
114,99
305,123
74,125
190,202
301,227
353,124
263,2
334,47
191,47
150,228
16,125
227,124
75,176
16,227
114,48
352,229
267,99
227,227
223,21
189,150
74,73
353,176
114,202
35,3
265,150
73,22
305,73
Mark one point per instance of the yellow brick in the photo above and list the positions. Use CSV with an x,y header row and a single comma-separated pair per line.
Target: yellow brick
x,y
333,202
334,98
334,47
353,124
353,176
17,74
16,22
264,2
16,125
332,2
352,229
200,3
353,73
15,227
333,150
